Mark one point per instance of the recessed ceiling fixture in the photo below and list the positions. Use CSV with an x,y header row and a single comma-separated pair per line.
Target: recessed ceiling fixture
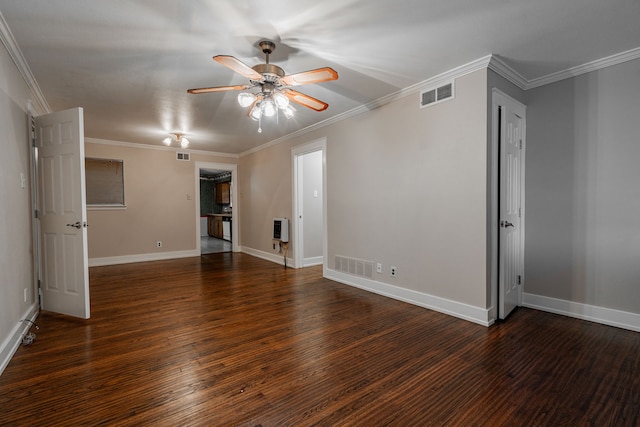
x,y
273,94
176,138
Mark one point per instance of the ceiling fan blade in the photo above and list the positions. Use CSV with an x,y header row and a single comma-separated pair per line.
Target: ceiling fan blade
x,y
238,66
318,75
219,89
305,100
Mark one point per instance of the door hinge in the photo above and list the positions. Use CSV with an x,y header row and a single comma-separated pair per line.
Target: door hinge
x,y
519,279
521,144
36,214
519,212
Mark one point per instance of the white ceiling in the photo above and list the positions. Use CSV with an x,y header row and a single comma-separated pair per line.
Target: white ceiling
x,y
129,63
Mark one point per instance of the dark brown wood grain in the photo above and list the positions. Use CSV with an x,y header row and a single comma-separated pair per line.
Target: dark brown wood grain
x,y
232,340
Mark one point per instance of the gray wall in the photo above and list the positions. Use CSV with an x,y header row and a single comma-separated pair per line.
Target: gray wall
x,y
16,272
583,189
405,186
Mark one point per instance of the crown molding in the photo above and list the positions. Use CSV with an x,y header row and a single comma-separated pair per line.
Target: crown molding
x,y
39,103
157,147
500,67
596,65
447,76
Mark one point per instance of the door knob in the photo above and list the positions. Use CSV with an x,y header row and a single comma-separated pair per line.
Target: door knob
x,y
78,225
506,224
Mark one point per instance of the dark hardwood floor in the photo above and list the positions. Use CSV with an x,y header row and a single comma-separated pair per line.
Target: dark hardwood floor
x,y
232,340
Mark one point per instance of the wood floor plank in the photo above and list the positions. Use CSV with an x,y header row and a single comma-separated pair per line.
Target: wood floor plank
x,y
231,340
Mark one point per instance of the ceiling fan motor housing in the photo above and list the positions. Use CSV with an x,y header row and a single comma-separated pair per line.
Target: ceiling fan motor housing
x,y
267,46
270,72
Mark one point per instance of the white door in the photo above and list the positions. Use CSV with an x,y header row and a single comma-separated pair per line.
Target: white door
x,y
511,247
64,270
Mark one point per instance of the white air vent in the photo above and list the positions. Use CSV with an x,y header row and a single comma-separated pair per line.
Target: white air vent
x,y
435,95
182,156
355,267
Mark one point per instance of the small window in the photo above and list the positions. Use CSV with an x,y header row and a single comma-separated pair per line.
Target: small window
x,y
104,180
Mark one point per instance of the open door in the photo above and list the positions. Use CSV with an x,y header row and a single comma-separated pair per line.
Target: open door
x,y
511,128
64,273
309,204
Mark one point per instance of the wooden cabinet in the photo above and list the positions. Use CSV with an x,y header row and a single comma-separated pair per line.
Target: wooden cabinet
x,y
223,193
214,226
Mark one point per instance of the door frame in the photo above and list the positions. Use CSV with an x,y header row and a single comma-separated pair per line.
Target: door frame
x,y
499,98
227,167
35,208
297,236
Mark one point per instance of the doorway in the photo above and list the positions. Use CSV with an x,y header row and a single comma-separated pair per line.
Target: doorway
x,y
508,213
220,215
309,196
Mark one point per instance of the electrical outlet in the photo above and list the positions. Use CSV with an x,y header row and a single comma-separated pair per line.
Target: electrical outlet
x,y
394,271
159,244
379,267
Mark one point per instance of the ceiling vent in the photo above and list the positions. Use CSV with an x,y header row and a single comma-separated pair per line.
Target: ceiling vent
x,y
435,95
182,156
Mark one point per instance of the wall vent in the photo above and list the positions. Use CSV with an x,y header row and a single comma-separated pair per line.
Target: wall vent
x,y
182,156
355,267
436,94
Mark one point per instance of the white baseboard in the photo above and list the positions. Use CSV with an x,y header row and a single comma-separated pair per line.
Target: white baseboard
x,y
12,342
606,316
460,310
277,258
128,259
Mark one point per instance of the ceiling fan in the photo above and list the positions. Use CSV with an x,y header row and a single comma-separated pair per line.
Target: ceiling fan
x,y
274,92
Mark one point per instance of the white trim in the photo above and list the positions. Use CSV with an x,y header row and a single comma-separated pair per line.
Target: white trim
x,y
158,147
445,77
235,212
596,65
500,67
593,313
128,259
297,151
106,207
453,308
41,105
10,345
276,258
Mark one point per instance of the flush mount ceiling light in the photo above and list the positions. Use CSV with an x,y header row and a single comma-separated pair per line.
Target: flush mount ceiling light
x,y
177,138
273,94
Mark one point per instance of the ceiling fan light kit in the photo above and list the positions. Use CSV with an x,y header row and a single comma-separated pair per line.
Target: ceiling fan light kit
x,y
176,138
274,94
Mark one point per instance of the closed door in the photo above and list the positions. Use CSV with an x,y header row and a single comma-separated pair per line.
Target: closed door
x,y
63,218
511,118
